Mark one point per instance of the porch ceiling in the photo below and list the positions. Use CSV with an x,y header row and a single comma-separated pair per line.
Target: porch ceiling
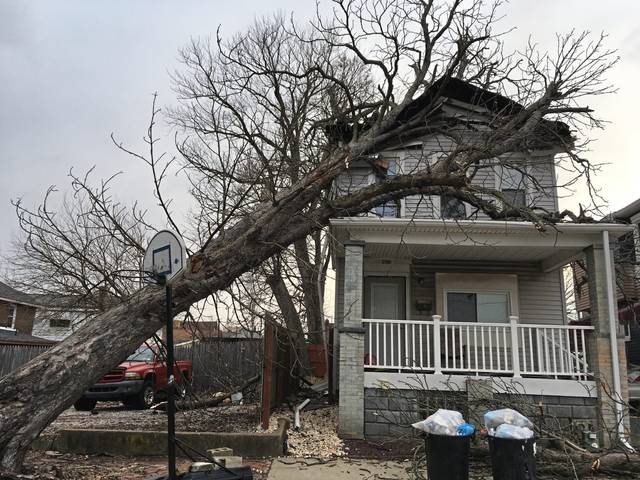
x,y
433,241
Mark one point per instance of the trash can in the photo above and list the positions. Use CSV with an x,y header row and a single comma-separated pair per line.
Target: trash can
x,y
512,459
447,456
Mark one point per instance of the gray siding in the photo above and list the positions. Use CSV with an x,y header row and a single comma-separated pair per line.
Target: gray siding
x,y
541,298
423,290
353,179
543,195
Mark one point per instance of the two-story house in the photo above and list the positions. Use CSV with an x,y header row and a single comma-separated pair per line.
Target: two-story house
x,y
431,292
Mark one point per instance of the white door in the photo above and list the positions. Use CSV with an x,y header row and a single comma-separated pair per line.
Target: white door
x,y
385,298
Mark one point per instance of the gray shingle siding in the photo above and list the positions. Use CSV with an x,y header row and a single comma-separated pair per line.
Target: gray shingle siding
x,y
541,298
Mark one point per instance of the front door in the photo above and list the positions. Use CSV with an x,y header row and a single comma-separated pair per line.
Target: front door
x,y
385,298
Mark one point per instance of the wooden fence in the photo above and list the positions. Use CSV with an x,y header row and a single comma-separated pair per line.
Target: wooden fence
x,y
14,356
222,363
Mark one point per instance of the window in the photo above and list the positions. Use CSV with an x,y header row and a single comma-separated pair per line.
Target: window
x,y
10,320
513,187
59,323
483,307
387,168
452,208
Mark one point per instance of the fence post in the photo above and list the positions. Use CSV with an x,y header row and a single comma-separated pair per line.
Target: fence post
x,y
515,349
267,365
437,361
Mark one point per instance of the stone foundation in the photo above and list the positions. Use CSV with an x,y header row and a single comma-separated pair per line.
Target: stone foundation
x,y
389,413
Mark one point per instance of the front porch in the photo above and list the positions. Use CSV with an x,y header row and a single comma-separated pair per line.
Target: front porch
x,y
438,303
478,349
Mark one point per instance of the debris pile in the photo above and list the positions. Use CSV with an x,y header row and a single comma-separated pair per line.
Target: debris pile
x,y
317,436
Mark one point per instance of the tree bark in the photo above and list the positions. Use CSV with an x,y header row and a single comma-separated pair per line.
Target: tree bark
x,y
309,275
291,320
34,395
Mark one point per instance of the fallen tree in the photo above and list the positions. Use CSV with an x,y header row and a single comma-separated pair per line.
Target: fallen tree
x,y
438,47
214,401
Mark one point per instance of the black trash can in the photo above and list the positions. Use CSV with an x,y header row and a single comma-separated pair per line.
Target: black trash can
x,y
512,459
447,457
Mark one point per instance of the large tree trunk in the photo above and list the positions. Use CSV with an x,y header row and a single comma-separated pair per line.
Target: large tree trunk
x,y
34,395
309,275
291,320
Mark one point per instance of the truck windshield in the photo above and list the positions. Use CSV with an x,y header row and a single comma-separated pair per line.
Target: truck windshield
x,y
144,355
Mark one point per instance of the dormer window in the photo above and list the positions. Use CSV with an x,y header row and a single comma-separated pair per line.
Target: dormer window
x,y
452,208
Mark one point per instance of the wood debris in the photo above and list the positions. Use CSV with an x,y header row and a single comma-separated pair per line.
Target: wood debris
x,y
318,434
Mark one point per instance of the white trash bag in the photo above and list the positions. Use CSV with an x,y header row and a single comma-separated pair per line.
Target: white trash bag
x,y
513,432
443,422
495,418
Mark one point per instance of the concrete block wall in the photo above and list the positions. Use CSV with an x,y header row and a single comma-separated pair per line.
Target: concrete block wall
x,y
389,413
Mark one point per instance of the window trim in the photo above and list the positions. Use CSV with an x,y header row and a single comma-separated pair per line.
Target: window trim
x,y
476,282
15,314
446,292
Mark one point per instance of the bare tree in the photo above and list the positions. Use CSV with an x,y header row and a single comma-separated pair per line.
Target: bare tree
x,y
412,50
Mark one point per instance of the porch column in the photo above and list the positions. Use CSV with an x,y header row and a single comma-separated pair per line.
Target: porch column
x,y
600,348
351,333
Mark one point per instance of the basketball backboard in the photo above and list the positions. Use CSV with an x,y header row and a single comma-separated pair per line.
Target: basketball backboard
x,y
165,255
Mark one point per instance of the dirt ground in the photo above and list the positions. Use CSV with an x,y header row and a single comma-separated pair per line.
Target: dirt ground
x,y
54,466
114,416
316,442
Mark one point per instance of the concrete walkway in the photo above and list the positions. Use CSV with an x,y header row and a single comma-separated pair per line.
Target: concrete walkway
x,y
340,469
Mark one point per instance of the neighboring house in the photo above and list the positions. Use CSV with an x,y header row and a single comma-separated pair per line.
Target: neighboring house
x,y
188,331
17,310
431,293
629,275
626,257
57,317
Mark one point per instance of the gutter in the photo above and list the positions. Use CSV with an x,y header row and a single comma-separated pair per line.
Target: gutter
x,y
493,226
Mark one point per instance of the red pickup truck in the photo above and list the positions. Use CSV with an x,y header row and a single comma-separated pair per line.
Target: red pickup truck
x,y
137,382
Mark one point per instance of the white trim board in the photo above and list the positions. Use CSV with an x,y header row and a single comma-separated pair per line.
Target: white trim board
x,y
524,386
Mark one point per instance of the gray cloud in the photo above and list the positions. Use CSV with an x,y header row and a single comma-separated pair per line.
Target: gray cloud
x,y
75,71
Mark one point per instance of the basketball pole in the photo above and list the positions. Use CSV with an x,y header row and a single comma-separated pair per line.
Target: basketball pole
x,y
171,405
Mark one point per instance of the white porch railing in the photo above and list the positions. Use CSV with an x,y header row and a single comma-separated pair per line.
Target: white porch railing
x,y
556,351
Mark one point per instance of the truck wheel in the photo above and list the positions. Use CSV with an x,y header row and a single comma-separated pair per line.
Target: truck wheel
x,y
181,391
85,404
145,398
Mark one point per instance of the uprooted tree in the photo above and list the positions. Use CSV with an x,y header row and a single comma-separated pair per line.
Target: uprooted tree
x,y
268,120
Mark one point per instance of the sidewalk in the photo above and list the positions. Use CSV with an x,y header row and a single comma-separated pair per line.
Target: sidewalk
x,y
338,469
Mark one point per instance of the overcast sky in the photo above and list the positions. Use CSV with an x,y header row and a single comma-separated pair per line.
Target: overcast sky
x,y
72,72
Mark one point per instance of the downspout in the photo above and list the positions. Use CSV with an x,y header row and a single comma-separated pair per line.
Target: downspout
x,y
613,335
296,421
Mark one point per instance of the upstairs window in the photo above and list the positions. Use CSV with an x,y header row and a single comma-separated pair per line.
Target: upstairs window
x,y
387,168
10,320
513,187
452,208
